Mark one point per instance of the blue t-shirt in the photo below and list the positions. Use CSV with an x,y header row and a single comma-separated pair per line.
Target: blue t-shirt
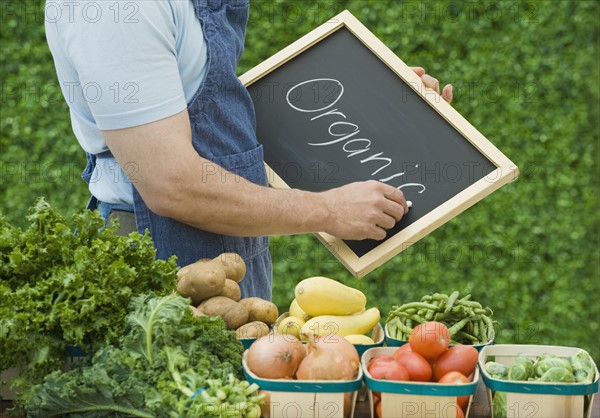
x,y
122,64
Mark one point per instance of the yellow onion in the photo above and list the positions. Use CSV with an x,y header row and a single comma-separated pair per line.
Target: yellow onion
x,y
275,356
330,357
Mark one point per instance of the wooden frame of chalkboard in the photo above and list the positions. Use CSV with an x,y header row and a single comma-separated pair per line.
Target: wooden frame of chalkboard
x,y
361,257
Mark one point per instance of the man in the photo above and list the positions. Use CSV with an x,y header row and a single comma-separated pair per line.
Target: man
x,y
147,81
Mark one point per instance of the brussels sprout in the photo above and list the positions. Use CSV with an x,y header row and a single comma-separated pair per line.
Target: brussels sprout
x,y
521,369
542,365
558,375
496,370
583,367
499,405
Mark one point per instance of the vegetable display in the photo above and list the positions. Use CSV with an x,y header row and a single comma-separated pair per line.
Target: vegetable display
x,y
546,368
280,356
61,288
329,358
275,356
427,358
324,306
212,285
322,296
169,363
468,321
579,368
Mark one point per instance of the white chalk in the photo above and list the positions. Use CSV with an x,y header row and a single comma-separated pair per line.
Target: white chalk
x,y
409,203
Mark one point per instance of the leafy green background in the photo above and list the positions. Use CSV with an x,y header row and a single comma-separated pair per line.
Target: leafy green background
x,y
525,74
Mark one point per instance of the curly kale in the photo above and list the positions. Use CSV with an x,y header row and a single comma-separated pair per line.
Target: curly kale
x,y
168,364
68,283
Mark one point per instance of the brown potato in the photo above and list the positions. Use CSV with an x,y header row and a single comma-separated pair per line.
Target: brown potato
x,y
231,290
260,310
196,311
200,281
255,329
233,264
233,313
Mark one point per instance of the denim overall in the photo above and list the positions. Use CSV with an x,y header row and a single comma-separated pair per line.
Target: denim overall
x,y
224,132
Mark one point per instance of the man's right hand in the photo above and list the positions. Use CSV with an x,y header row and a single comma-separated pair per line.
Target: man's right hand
x,y
363,210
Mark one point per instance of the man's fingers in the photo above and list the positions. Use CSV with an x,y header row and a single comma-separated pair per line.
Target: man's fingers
x,y
378,233
397,196
386,221
418,71
394,209
447,93
431,82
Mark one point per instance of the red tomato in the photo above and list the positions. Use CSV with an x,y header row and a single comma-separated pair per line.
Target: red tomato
x,y
430,339
376,397
460,358
402,348
387,368
459,412
418,368
378,413
456,378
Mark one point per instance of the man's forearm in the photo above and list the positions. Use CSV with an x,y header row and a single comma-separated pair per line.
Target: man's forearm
x,y
223,202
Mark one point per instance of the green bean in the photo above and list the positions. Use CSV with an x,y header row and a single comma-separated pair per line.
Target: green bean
x,y
469,327
463,310
470,303
482,331
429,314
451,300
399,334
439,316
416,318
403,327
489,327
466,319
417,305
476,329
467,336
458,326
392,329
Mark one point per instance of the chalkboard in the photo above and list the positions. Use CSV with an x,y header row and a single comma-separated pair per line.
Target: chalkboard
x,y
337,106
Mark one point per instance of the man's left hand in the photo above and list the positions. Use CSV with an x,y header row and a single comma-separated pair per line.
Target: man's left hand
x,y
433,83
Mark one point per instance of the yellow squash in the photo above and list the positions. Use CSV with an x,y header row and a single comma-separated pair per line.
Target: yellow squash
x,y
342,324
322,296
296,310
291,326
359,339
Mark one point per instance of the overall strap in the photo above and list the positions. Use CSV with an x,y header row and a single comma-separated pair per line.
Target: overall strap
x,y
88,172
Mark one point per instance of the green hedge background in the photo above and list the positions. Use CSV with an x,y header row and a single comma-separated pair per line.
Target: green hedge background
x,y
525,74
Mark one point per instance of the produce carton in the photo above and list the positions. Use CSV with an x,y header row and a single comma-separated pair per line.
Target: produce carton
x,y
308,399
415,399
534,399
392,342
